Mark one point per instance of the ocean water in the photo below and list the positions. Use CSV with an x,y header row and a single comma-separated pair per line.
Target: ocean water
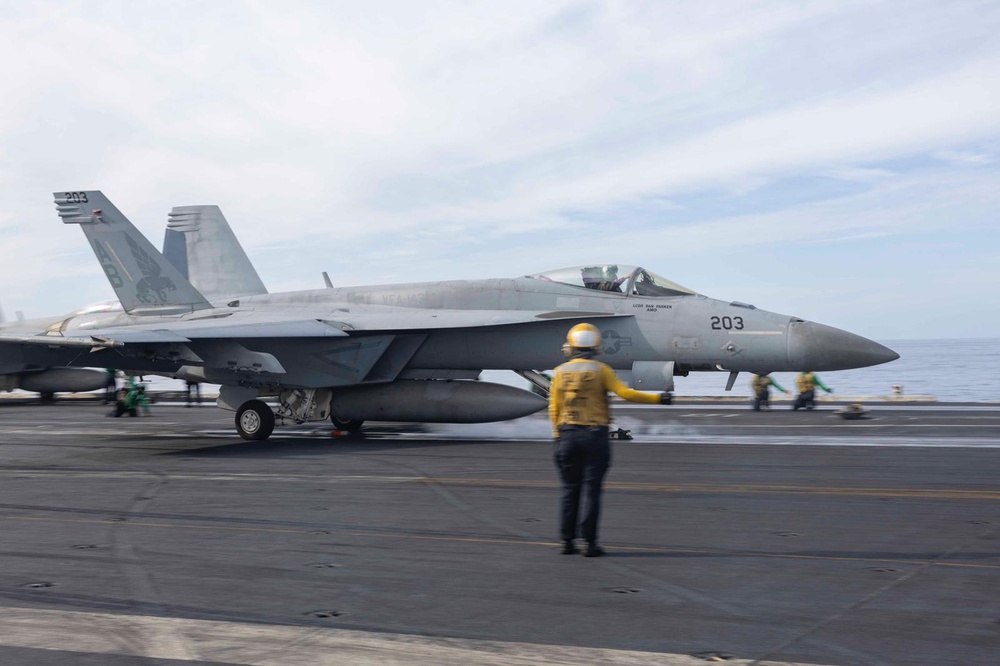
x,y
951,370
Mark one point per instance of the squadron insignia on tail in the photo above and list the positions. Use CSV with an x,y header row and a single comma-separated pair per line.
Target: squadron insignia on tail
x,y
151,289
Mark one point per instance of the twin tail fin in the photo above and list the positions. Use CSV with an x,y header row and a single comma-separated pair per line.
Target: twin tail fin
x,y
200,243
142,277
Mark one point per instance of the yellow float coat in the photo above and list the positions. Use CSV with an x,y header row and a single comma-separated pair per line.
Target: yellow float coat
x,y
579,393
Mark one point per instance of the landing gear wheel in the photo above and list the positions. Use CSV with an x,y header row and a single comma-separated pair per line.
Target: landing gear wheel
x,y
347,425
254,420
47,396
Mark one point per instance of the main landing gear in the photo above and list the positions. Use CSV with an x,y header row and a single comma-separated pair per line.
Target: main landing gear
x,y
254,420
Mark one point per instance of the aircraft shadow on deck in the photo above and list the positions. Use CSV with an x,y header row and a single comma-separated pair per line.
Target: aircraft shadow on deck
x,y
296,446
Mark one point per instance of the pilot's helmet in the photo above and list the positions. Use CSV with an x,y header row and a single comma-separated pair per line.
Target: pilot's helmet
x,y
584,336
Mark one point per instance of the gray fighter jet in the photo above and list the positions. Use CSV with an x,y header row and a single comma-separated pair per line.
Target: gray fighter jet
x,y
412,352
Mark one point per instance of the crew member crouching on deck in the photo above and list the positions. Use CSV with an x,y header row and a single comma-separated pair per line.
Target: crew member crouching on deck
x,y
807,383
761,385
578,408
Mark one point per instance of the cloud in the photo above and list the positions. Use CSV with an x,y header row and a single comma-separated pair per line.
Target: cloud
x,y
966,157
859,174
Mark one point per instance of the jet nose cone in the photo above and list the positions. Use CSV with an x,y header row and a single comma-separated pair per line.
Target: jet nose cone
x,y
814,346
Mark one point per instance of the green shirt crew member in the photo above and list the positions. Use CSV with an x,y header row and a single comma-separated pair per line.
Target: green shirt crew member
x,y
761,385
807,382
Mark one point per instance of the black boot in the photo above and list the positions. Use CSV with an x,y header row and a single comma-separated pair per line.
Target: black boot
x,y
593,550
569,548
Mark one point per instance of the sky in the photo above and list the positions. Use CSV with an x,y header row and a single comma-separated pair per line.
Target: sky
x,y
836,161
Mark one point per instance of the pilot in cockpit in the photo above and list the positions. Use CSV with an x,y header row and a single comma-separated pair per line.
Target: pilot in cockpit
x,y
602,278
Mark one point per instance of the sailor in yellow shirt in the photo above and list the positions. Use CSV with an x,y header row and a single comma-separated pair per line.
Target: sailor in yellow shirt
x,y
578,408
807,382
761,385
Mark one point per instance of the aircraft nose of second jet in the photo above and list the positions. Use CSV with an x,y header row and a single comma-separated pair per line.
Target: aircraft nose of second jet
x,y
814,346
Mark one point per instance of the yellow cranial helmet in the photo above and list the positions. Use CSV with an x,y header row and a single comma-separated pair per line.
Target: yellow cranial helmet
x,y
584,336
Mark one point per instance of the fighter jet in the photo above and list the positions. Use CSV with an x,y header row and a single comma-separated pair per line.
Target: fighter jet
x,y
199,242
412,352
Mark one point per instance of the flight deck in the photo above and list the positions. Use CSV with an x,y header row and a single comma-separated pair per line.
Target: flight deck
x,y
736,537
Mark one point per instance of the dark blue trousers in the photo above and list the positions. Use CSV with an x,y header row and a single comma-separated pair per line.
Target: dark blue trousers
x,y
583,456
806,400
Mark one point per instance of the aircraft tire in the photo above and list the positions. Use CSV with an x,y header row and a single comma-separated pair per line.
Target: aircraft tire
x,y
348,425
254,420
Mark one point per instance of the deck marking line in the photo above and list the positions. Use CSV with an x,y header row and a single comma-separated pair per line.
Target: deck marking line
x,y
251,644
502,541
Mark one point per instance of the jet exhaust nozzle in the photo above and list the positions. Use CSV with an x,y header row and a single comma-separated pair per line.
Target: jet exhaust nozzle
x,y
435,401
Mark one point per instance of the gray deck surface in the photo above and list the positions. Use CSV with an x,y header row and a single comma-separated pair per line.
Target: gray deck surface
x,y
774,537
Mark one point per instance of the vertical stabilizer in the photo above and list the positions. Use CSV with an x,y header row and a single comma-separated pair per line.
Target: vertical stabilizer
x,y
141,277
201,244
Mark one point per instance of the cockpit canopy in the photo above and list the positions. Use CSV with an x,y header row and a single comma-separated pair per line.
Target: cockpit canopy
x,y
618,278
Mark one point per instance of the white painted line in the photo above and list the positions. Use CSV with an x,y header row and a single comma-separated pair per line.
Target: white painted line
x,y
274,645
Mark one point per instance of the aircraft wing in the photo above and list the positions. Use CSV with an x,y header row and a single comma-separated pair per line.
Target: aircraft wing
x,y
173,332
60,342
250,325
253,349
186,331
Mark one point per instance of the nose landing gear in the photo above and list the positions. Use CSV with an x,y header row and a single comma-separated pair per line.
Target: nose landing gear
x,y
347,425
